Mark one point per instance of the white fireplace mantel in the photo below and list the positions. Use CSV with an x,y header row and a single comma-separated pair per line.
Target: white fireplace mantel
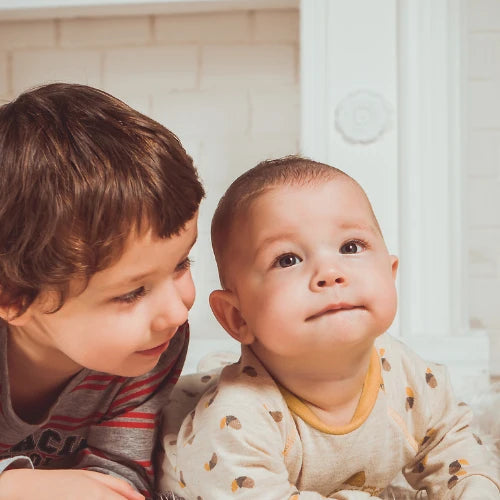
x,y
398,67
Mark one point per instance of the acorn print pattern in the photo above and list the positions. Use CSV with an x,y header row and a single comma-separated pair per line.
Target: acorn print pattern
x,y
456,469
410,398
212,399
230,421
357,479
420,466
242,482
277,416
212,463
385,364
428,435
430,379
182,483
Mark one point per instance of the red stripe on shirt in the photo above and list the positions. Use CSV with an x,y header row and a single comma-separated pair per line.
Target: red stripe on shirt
x,y
94,451
148,390
137,414
148,380
134,425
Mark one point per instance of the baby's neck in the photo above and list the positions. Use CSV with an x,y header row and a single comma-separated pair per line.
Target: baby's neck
x,y
332,394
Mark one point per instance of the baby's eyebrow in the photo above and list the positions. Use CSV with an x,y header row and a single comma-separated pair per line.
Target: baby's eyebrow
x,y
359,226
273,239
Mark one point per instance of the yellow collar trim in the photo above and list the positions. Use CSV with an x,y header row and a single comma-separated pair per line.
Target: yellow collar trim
x,y
366,403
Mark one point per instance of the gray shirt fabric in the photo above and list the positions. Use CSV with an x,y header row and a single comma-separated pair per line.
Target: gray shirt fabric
x,y
100,422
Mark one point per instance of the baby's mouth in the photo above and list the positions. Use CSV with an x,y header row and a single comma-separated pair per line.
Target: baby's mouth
x,y
333,309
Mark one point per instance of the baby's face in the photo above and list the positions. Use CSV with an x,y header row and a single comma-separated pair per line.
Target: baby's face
x,y
311,270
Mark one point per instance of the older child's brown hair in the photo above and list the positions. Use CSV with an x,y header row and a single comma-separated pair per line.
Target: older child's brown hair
x,y
79,170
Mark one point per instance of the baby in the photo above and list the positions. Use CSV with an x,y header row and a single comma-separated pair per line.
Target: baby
x,y
323,403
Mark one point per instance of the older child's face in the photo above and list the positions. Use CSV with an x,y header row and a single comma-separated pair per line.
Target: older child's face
x,y
311,271
124,319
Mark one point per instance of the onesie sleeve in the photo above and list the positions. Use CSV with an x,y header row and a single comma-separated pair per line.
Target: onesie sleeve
x,y
451,461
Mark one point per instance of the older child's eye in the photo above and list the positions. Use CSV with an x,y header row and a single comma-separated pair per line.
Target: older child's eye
x,y
132,296
287,260
184,264
352,247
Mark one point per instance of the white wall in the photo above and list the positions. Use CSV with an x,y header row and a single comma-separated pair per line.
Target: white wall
x,y
225,83
482,145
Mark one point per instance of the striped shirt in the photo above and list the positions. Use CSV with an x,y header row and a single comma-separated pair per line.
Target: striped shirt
x,y
100,422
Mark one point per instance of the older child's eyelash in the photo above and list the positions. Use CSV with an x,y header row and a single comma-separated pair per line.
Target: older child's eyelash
x,y
132,296
185,264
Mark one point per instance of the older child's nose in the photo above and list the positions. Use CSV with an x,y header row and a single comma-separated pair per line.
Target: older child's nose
x,y
171,313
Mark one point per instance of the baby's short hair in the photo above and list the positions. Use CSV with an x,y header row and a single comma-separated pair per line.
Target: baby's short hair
x,y
80,170
289,170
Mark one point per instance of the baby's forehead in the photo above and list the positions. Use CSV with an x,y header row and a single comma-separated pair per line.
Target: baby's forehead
x,y
254,209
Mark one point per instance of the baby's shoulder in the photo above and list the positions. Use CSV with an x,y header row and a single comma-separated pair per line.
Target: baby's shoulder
x,y
401,365
245,384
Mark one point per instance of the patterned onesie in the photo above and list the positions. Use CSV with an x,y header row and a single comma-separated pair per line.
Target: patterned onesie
x,y
248,438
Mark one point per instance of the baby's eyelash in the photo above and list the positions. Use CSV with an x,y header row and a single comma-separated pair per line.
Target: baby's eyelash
x,y
132,296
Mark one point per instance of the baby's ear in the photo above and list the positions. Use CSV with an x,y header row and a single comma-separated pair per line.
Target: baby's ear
x,y
394,265
225,306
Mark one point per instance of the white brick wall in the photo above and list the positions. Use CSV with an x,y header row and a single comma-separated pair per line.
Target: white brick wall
x,y
29,34
226,83
482,132
103,32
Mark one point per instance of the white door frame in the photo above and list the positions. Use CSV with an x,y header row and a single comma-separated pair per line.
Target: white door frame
x,y
401,123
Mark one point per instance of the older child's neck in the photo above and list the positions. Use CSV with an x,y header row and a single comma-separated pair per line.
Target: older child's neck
x,y
331,389
34,384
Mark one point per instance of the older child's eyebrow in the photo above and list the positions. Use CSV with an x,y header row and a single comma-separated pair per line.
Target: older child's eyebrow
x,y
130,280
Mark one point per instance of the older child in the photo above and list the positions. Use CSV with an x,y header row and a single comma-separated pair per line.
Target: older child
x,y
98,211
322,403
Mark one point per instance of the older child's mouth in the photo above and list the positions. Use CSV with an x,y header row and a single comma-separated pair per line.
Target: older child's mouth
x,y
155,351
333,309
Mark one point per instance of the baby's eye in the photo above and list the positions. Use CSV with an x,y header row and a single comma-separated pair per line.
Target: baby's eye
x,y
287,260
132,296
352,247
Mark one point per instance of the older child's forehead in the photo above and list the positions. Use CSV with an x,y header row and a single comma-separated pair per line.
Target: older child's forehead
x,y
146,255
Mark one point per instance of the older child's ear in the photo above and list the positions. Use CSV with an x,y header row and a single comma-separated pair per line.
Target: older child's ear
x,y
225,307
11,316
394,265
